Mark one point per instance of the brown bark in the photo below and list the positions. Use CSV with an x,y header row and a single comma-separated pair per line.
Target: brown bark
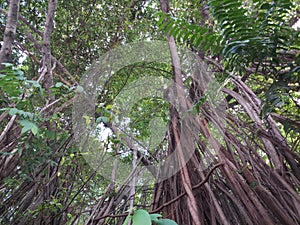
x,y
46,48
10,32
177,77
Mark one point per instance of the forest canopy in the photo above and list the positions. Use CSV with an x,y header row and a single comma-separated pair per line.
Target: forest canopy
x,y
150,112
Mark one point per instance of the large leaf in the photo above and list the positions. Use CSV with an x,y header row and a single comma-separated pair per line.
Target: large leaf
x,y
141,217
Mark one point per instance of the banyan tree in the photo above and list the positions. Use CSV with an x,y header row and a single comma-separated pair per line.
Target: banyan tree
x,y
188,110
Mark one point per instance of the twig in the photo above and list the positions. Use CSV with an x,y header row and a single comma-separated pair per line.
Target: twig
x,y
49,105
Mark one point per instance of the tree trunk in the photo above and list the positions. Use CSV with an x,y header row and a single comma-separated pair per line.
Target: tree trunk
x,y
10,32
46,49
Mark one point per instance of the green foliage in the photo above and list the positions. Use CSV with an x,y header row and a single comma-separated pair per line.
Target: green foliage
x,y
142,217
28,126
14,84
255,35
241,35
11,79
252,33
22,113
245,36
198,36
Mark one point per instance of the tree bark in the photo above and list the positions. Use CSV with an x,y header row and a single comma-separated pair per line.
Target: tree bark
x,y
177,77
10,32
46,49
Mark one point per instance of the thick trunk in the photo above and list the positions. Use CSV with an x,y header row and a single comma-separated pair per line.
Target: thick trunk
x,y
10,32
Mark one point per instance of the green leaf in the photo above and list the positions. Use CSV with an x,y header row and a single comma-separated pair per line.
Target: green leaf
x,y
19,74
165,222
162,18
34,129
169,27
141,217
59,84
103,119
13,111
108,107
8,64
34,83
28,126
154,217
